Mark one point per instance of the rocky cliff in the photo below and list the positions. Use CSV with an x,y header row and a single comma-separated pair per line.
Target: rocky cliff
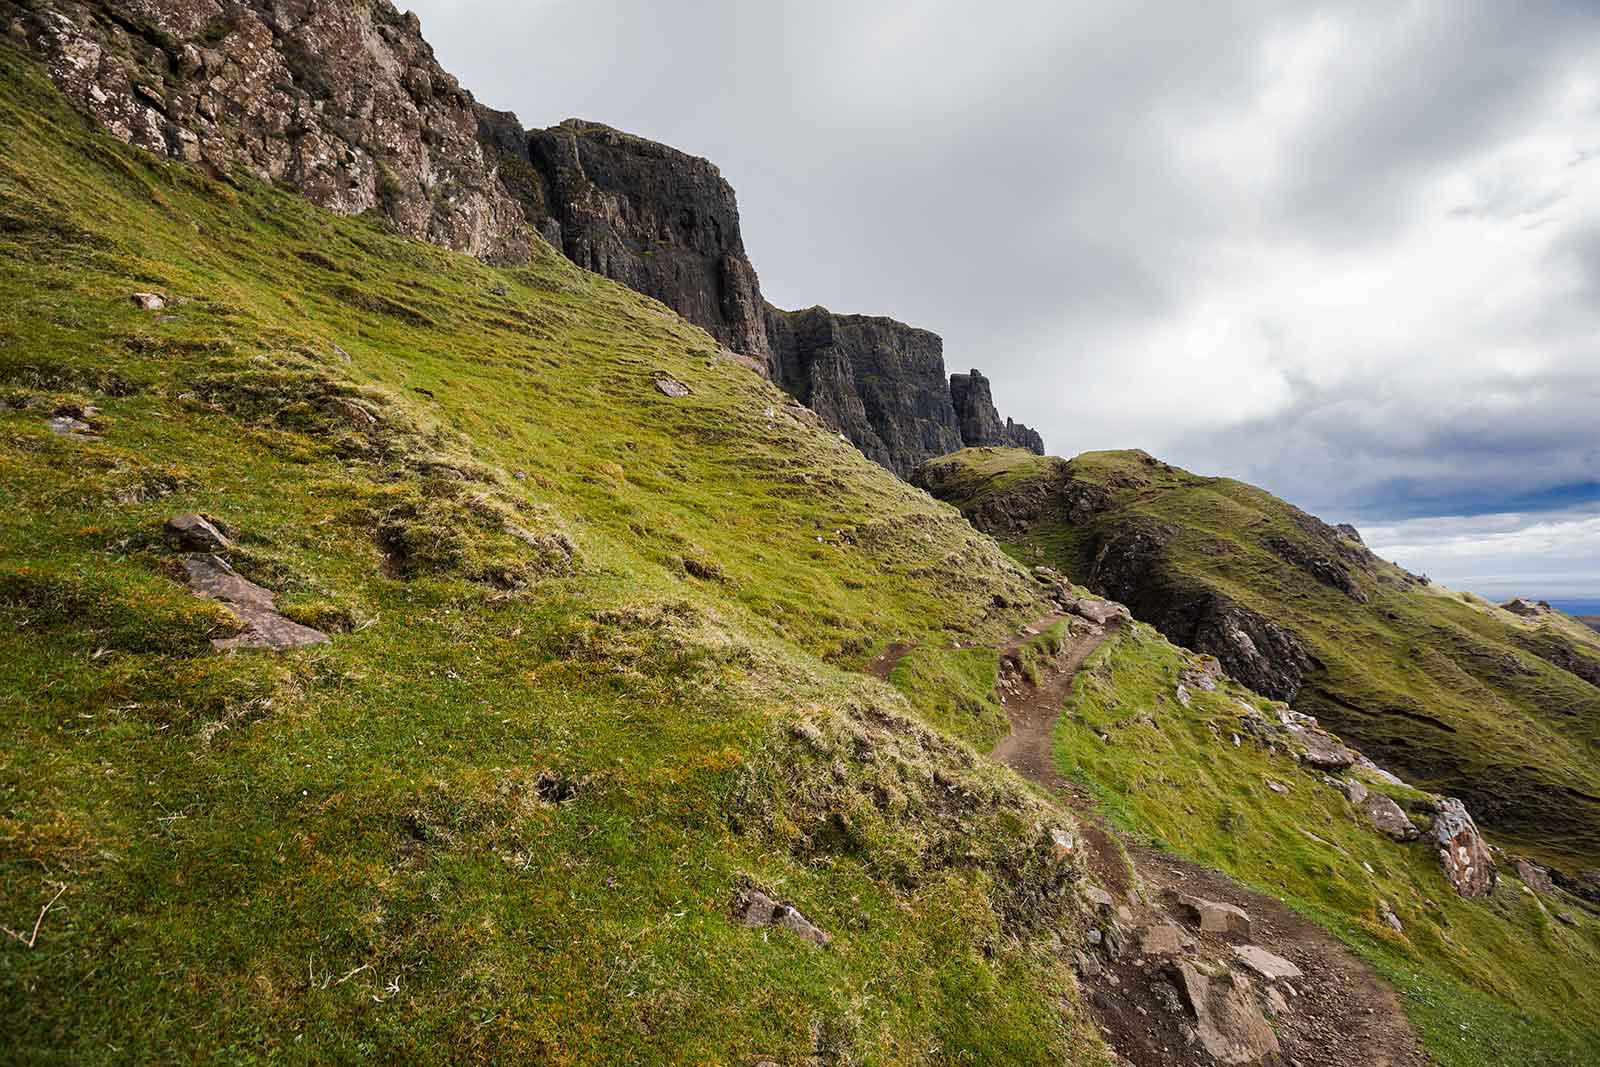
x,y
980,421
344,102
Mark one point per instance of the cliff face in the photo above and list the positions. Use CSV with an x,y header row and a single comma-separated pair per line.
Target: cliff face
x,y
343,101
980,421
659,221
877,381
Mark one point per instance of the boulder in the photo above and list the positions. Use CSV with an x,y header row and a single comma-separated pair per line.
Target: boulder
x,y
70,426
1164,939
1228,1021
1387,816
1098,898
1387,914
1462,850
1268,965
149,301
194,533
1355,790
1062,845
1214,917
1099,612
672,387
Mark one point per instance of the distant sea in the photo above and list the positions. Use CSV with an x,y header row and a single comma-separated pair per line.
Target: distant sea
x,y
1577,607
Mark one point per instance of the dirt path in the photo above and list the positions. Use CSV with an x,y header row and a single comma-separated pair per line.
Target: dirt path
x,y
1337,1013
885,664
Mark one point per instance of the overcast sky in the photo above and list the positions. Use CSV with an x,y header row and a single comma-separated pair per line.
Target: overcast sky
x,y
1346,251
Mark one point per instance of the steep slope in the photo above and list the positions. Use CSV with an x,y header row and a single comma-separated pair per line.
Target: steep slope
x,y
586,762
1499,709
343,102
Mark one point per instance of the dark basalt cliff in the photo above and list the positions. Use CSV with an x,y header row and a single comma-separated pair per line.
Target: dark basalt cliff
x,y
980,421
343,101
877,381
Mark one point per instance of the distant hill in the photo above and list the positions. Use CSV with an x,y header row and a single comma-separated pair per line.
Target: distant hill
x,y
1500,708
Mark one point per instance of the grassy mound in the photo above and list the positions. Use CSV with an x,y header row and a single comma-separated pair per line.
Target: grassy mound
x,y
594,667
1463,697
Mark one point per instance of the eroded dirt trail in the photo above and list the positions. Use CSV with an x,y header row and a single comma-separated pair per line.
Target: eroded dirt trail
x,y
1152,958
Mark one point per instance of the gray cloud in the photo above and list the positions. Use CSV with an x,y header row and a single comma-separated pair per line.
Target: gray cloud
x,y
1347,250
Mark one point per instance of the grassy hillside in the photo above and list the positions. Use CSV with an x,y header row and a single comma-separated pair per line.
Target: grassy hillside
x,y
594,667
1459,695
1492,981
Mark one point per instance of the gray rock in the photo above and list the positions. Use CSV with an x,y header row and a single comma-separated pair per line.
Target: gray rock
x,y
211,577
1388,916
1098,898
1355,790
149,301
1462,852
1099,612
672,387
1164,939
1534,876
1321,749
71,427
1277,787
980,422
194,533
1228,1022
1387,816
1268,965
1062,845
754,908
1214,917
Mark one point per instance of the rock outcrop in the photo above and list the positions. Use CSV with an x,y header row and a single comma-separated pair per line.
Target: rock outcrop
x,y
980,421
1462,852
879,382
344,102
661,222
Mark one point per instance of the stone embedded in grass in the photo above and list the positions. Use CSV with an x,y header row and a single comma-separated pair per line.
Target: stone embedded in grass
x,y
68,426
1062,844
1387,914
195,533
1321,749
1387,816
754,908
1462,851
1098,898
1268,965
149,301
1534,876
1277,787
212,578
1354,790
669,386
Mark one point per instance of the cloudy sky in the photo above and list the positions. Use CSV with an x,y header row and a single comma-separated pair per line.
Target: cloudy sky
x,y
1346,251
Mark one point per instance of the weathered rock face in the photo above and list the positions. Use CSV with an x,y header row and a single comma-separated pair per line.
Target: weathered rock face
x,y
879,382
980,421
340,100
1127,566
343,101
659,221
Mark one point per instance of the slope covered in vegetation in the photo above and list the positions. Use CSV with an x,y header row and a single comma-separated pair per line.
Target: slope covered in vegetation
x,y
593,672
1466,698
1509,978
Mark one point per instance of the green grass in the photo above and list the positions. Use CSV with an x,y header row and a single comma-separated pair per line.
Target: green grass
x,y
1485,982
1459,696
593,669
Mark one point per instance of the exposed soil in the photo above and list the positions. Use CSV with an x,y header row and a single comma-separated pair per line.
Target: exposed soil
x,y
885,664
1338,1013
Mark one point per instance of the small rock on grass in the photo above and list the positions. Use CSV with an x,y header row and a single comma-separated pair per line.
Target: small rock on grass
x,y
149,301
669,386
